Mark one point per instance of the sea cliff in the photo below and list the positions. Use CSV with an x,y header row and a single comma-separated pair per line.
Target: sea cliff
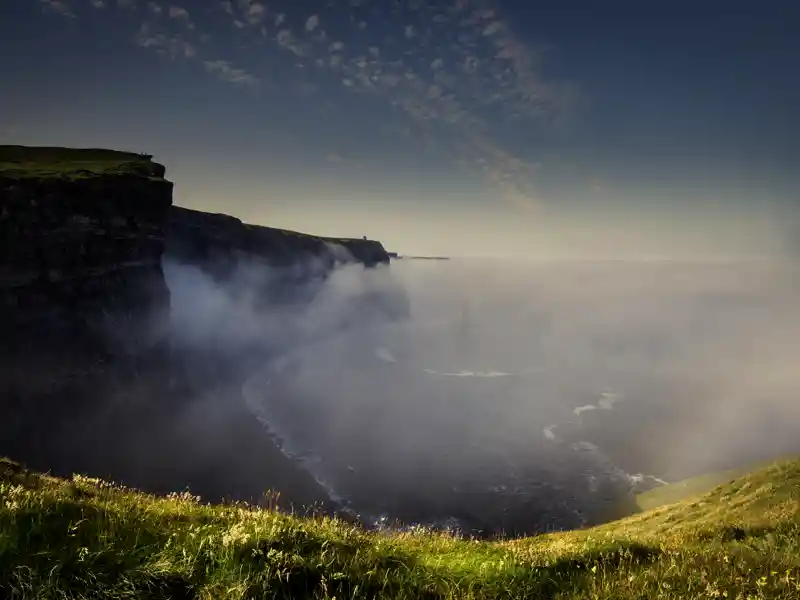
x,y
87,359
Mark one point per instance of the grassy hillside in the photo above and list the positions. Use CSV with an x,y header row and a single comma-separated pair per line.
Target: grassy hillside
x,y
85,538
71,163
686,489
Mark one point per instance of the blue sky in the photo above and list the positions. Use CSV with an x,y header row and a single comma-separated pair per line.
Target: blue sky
x,y
460,127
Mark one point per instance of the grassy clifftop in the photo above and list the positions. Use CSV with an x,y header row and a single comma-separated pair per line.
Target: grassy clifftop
x,y
29,162
86,538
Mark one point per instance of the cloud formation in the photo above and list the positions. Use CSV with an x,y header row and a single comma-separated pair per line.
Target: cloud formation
x,y
454,70
60,7
178,12
172,46
227,72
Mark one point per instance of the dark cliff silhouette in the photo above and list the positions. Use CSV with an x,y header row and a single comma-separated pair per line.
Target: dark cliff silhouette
x,y
90,380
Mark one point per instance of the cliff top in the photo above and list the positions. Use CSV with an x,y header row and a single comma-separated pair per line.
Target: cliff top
x,y
40,162
86,537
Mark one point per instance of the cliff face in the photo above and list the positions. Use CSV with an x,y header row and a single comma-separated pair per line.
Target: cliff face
x,y
220,242
368,252
84,307
83,249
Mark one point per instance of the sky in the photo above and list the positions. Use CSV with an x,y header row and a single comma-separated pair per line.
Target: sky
x,y
619,129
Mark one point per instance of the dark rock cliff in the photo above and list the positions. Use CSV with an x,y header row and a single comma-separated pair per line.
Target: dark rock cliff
x,y
280,266
219,243
84,307
89,377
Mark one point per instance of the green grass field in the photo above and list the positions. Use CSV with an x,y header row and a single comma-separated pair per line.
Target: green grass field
x,y
83,538
70,163
686,489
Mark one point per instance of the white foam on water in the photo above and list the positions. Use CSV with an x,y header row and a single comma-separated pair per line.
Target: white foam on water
x,y
463,373
254,392
611,468
638,478
548,432
385,355
607,400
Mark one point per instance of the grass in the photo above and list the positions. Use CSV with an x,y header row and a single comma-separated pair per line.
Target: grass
x,y
691,488
25,162
686,489
84,538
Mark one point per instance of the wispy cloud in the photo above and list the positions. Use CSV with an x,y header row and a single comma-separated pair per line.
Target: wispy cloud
x,y
227,72
60,7
286,40
442,66
256,13
99,3
170,45
492,28
453,70
312,23
178,12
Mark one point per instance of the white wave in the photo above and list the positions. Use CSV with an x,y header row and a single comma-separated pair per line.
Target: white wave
x,y
612,470
385,355
463,373
584,446
608,400
253,393
548,432
639,478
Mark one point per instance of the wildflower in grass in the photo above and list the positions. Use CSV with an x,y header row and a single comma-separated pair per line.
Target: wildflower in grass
x,y
87,481
185,496
13,491
236,535
712,591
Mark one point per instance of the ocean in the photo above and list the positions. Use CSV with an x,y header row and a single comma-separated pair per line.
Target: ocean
x,y
555,388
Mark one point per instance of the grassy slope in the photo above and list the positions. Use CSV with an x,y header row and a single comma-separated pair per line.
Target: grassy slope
x,y
71,163
85,538
686,489
692,488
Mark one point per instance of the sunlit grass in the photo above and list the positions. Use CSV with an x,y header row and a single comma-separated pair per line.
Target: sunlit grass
x,y
84,538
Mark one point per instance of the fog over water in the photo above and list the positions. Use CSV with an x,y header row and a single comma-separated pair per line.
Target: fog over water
x,y
510,377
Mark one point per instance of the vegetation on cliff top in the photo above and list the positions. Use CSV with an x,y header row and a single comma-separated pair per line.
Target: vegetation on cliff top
x,y
27,162
89,539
